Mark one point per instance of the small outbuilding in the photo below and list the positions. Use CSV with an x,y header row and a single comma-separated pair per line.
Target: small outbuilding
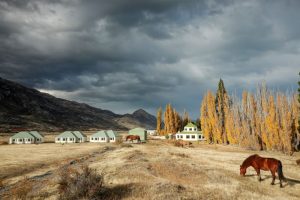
x,y
26,137
151,132
140,132
99,136
70,137
190,133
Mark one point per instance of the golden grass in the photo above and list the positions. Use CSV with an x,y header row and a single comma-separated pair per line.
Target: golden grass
x,y
21,159
158,170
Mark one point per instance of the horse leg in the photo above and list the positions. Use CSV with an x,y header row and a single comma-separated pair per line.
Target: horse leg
x,y
280,180
258,174
273,176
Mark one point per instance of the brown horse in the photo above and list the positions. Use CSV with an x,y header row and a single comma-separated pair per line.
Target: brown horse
x,y
133,137
265,164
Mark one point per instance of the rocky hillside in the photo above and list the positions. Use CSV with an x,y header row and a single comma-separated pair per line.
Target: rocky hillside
x,y
24,108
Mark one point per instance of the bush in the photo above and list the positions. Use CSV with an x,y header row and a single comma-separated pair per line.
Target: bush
x,y
82,183
22,189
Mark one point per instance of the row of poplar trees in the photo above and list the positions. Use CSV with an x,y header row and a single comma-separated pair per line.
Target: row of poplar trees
x,y
264,120
172,122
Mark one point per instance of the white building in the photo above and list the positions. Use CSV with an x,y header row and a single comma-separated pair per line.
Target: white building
x,y
70,137
26,137
99,136
104,136
151,132
190,133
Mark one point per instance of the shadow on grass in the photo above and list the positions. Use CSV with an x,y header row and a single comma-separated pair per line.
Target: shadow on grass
x,y
117,192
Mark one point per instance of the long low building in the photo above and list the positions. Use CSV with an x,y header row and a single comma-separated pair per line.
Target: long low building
x,y
26,137
104,136
70,137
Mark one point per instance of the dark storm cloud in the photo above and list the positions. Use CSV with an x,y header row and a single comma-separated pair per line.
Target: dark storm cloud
x,y
126,54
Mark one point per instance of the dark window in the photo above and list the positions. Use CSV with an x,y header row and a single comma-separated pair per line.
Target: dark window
x,y
187,136
193,136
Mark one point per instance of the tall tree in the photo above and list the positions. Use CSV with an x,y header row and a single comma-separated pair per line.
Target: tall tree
x,y
220,100
158,120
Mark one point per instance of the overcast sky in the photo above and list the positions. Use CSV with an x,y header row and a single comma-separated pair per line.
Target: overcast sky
x,y
123,55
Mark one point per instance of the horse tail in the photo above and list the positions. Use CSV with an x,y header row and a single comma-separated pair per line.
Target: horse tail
x,y
279,171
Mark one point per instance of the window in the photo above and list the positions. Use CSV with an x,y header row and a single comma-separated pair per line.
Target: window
x,y
190,129
195,129
58,139
13,140
199,136
64,139
96,138
181,136
187,136
193,136
185,129
111,138
102,138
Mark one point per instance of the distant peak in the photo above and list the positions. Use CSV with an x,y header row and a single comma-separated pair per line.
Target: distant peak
x,y
139,111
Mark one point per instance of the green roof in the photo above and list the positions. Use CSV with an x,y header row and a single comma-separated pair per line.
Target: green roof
x,y
99,134
67,134
140,132
36,134
190,132
190,124
137,129
78,134
111,133
23,134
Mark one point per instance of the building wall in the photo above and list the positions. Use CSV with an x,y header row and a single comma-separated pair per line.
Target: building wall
x,y
67,140
22,141
189,136
99,139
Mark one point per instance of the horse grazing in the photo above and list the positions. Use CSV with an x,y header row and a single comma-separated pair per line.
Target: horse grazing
x,y
265,164
133,137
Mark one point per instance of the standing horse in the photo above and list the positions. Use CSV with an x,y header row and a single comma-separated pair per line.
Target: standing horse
x,y
265,164
133,137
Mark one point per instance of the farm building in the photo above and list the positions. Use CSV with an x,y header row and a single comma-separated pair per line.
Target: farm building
x,y
26,137
112,135
104,136
99,136
70,137
151,132
190,133
140,132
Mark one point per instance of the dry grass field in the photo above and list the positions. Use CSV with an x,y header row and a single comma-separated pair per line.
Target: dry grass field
x,y
156,170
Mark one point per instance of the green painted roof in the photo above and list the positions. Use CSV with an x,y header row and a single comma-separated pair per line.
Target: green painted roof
x,y
99,134
190,132
79,134
190,124
36,134
67,134
23,134
137,129
111,133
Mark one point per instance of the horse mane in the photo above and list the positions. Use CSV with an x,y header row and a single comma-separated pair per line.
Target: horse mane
x,y
249,159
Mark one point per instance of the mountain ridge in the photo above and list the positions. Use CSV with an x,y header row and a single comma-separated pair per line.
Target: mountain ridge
x,y
22,107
